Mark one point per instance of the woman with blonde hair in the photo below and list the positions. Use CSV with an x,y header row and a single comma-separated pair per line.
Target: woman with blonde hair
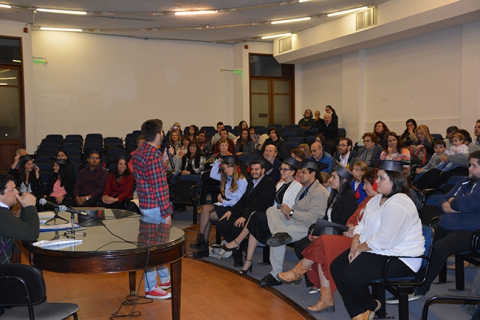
x,y
232,187
421,149
305,149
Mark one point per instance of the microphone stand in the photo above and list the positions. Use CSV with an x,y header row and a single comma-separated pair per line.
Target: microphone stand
x,y
55,217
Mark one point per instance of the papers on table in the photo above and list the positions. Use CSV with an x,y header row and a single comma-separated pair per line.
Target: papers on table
x,y
57,227
46,214
57,244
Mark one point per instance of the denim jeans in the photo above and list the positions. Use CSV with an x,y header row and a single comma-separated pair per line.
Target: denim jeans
x,y
154,216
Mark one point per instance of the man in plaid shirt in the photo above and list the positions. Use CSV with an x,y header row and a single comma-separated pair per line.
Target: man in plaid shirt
x,y
149,171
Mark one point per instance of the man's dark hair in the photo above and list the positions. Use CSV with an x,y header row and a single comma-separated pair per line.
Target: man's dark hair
x,y
4,179
219,123
224,130
372,136
150,128
275,130
349,141
452,129
94,151
475,155
437,142
203,131
258,162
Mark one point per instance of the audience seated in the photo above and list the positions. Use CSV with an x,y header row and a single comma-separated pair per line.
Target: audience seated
x,y
333,114
256,227
241,125
193,132
224,135
330,132
380,129
270,154
174,128
409,135
394,149
140,141
253,135
345,155
193,161
359,170
60,184
421,149
276,141
318,119
244,146
449,133
218,136
91,182
184,147
119,186
458,147
305,148
476,131
175,141
18,154
204,143
27,176
439,151
307,122
321,156
371,151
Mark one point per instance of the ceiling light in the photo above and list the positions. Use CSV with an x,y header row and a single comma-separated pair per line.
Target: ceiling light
x,y
277,35
60,29
61,11
184,13
9,78
6,6
18,61
345,11
290,20
303,0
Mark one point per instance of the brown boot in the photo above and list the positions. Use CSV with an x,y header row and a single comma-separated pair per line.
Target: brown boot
x,y
293,276
325,303
368,315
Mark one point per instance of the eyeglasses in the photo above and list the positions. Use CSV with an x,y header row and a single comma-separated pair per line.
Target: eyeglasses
x,y
304,171
283,169
343,145
367,140
94,158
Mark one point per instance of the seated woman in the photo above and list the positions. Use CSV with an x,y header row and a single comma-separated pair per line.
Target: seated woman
x,y
394,149
61,154
253,134
422,147
184,147
257,225
380,129
193,132
305,148
359,170
244,145
276,141
321,251
390,227
194,161
232,187
27,177
241,125
119,186
60,183
204,143
175,141
408,136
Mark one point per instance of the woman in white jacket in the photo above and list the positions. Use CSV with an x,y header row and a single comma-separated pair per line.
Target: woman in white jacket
x,y
257,225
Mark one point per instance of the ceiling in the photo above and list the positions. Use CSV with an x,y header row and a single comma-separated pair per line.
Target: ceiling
x,y
236,21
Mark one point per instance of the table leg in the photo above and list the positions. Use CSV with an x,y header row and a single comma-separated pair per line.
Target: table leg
x,y
176,277
132,278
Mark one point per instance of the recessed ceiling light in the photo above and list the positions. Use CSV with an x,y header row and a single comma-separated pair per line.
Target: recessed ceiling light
x,y
290,20
61,11
60,29
277,35
184,13
6,6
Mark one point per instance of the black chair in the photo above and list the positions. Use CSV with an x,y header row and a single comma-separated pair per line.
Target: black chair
x,y
289,134
299,140
260,130
26,295
46,152
71,146
94,136
74,136
113,142
437,136
447,299
342,133
187,192
291,126
402,287
276,125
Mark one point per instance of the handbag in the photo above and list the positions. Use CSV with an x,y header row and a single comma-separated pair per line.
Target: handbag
x,y
418,155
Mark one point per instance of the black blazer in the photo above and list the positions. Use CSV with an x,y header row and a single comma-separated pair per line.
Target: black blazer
x,y
343,208
259,198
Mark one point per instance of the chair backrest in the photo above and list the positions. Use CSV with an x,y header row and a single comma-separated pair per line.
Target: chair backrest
x,y
183,188
437,136
451,182
428,234
24,283
430,209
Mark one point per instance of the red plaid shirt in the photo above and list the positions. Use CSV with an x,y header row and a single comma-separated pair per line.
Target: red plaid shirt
x,y
150,173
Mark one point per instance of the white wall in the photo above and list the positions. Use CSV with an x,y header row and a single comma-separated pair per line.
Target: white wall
x,y
112,84
433,78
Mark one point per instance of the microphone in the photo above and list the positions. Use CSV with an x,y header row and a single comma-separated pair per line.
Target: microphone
x,y
60,207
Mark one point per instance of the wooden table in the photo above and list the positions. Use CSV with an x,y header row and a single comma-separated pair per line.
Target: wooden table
x,y
102,252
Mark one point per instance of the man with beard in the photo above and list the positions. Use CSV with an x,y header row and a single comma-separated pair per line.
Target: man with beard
x,y
460,218
270,153
345,156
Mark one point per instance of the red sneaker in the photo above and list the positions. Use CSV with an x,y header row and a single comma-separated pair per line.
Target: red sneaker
x,y
158,293
166,285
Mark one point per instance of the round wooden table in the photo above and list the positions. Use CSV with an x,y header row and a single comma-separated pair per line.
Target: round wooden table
x,y
102,252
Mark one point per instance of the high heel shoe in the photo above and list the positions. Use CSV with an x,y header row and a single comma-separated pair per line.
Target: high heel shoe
x,y
224,247
245,272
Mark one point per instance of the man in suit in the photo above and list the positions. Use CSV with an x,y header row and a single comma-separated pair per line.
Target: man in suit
x,y
345,155
329,130
270,154
371,151
259,196
291,224
26,227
